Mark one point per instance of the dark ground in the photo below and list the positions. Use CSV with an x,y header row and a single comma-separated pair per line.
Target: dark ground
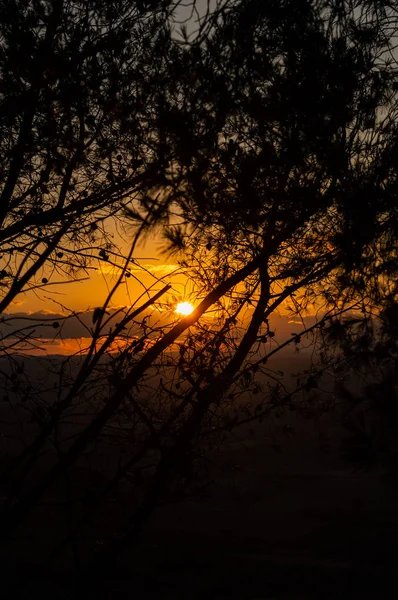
x,y
283,517
299,524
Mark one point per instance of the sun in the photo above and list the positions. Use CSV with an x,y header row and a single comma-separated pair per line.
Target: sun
x,y
184,308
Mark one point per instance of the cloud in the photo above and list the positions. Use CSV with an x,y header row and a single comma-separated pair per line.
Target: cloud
x,y
161,268
57,333
66,347
157,269
50,325
79,326
69,346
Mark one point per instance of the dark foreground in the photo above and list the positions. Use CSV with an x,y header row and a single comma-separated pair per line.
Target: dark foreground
x,y
293,523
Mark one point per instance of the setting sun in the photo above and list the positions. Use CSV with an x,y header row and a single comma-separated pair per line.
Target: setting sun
x,y
184,308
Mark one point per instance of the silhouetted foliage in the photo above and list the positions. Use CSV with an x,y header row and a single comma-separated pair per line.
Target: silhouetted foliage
x,y
78,83
370,347
263,149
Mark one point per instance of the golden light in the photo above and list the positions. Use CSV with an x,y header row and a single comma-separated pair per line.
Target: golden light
x,y
184,308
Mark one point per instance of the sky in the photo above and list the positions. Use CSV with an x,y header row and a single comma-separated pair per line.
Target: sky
x,y
60,299
62,296
90,288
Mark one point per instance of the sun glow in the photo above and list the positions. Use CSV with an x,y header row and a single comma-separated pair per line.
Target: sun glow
x,y
184,308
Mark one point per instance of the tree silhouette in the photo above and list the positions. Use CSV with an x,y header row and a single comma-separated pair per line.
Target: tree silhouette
x,y
77,85
369,345
265,153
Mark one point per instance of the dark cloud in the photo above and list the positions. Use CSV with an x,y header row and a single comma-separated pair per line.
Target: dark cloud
x,y
48,325
79,326
61,334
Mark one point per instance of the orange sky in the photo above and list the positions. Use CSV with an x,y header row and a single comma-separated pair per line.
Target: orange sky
x,y
90,293
84,296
